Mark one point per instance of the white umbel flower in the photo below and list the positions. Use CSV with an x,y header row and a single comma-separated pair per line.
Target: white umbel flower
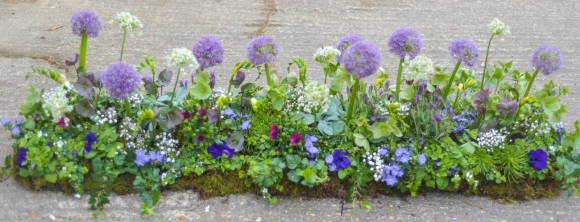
x,y
183,58
56,103
326,54
127,22
420,68
498,28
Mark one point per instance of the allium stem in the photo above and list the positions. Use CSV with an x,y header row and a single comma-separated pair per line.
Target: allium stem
x,y
450,82
485,64
83,54
352,100
123,44
399,73
456,98
127,108
268,75
174,87
530,84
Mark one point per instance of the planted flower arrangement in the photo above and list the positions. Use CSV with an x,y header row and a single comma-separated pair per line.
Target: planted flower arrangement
x,y
142,129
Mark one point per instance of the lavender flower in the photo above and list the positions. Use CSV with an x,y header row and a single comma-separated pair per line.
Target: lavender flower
x,y
405,42
273,131
217,150
141,157
345,42
262,50
402,155
21,156
546,59
245,125
309,145
464,50
538,159
421,159
209,51
362,59
121,80
86,20
90,140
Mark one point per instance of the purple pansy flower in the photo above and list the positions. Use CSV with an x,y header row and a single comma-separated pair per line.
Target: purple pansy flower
x,y
86,20
90,140
538,159
21,156
362,59
262,50
546,59
121,80
405,42
208,51
217,150
464,50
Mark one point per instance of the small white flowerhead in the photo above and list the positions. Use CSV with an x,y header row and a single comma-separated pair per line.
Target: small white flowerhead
x,y
183,58
420,68
498,28
127,22
326,54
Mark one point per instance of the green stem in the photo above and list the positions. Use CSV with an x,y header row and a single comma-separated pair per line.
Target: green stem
x,y
450,82
399,73
123,45
455,102
83,54
97,99
268,75
352,100
127,107
530,84
153,85
485,64
234,72
174,87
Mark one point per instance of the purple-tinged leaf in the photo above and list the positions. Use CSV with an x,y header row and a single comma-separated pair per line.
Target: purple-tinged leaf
x,y
84,87
212,116
85,108
71,61
164,77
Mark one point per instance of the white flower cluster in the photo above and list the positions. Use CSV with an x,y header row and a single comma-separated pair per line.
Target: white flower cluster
x,y
127,22
167,145
498,28
294,100
403,109
535,127
492,139
135,99
56,103
420,68
182,58
382,110
107,116
375,161
315,95
326,54
127,128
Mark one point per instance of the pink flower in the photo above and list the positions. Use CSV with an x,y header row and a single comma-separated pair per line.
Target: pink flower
x,y
295,139
273,131
64,123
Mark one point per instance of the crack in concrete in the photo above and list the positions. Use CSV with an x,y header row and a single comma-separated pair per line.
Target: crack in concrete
x,y
54,63
269,10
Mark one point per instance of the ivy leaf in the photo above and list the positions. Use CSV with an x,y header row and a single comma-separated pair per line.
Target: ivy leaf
x,y
293,161
293,176
442,182
139,184
50,177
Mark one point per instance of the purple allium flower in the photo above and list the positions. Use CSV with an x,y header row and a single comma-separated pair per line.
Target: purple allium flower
x,y
340,159
18,120
464,50
141,157
156,156
546,59
402,155
436,164
6,122
15,131
21,156
86,20
309,145
362,59
209,51
405,42
200,138
90,140
421,159
245,125
262,50
295,139
217,150
121,80
345,42
273,131
538,159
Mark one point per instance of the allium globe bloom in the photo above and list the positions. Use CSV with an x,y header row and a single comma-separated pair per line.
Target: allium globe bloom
x,y
420,68
497,27
546,59
538,159
326,54
127,22
262,50
21,156
405,42
295,139
86,20
217,150
464,50
209,51
362,59
182,58
121,80
345,42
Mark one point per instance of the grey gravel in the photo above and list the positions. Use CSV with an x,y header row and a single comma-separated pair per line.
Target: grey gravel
x,y
36,33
